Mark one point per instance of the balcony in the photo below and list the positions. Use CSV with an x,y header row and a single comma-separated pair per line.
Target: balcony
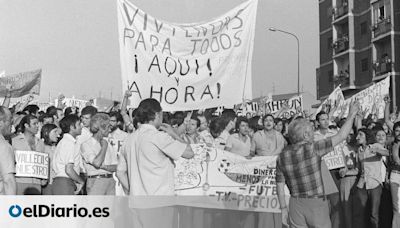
x,y
340,45
382,66
381,27
340,11
342,79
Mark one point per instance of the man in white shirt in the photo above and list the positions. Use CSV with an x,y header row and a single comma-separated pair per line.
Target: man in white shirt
x,y
86,115
67,158
332,181
100,159
148,154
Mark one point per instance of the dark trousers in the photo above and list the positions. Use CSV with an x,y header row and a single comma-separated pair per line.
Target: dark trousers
x,y
63,186
362,209
335,212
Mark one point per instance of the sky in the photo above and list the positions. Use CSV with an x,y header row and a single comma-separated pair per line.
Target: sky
x,y
75,42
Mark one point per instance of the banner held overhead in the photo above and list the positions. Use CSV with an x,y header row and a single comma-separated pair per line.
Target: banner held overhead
x,y
187,66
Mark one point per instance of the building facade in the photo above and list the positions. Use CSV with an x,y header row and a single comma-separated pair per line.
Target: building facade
x,y
359,45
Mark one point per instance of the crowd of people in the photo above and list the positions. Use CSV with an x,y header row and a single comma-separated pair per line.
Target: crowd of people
x,y
132,152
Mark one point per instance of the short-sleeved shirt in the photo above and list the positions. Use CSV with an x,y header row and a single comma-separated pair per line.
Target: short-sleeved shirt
x,y
219,142
83,137
117,139
90,149
263,146
19,142
371,169
7,161
149,154
299,166
238,146
67,152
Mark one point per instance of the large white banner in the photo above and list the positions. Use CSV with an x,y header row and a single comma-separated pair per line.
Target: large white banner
x,y
372,98
235,182
187,66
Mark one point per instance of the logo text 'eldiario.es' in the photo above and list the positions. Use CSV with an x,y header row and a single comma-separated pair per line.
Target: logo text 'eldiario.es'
x,y
41,210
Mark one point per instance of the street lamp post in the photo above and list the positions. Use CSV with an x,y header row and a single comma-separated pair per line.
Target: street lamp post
x,y
298,54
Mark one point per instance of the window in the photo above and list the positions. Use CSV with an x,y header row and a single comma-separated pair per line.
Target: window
x,y
364,28
364,65
381,12
330,76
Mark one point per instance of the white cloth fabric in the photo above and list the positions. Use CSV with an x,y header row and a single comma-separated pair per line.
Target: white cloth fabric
x,y
67,151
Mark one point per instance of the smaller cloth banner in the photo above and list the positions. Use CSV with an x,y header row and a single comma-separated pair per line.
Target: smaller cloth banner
x,y
21,84
334,104
236,183
31,164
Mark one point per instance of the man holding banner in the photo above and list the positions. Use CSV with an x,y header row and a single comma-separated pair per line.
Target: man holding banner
x,y
299,166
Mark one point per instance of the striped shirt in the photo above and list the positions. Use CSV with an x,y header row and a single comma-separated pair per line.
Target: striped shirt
x,y
299,166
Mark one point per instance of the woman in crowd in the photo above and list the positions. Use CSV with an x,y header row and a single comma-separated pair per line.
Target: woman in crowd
x,y
50,134
239,143
348,179
385,215
395,176
27,141
279,125
267,142
369,185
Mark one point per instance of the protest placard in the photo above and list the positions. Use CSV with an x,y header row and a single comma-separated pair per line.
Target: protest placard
x,y
31,164
295,104
236,182
72,102
187,66
21,84
335,159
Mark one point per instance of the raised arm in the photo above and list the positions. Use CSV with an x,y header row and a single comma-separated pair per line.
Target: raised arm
x,y
7,99
124,111
388,122
346,128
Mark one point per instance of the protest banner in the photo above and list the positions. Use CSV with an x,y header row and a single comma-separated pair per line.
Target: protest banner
x,y
236,182
372,98
72,102
31,164
333,104
295,104
335,159
248,107
21,84
187,66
